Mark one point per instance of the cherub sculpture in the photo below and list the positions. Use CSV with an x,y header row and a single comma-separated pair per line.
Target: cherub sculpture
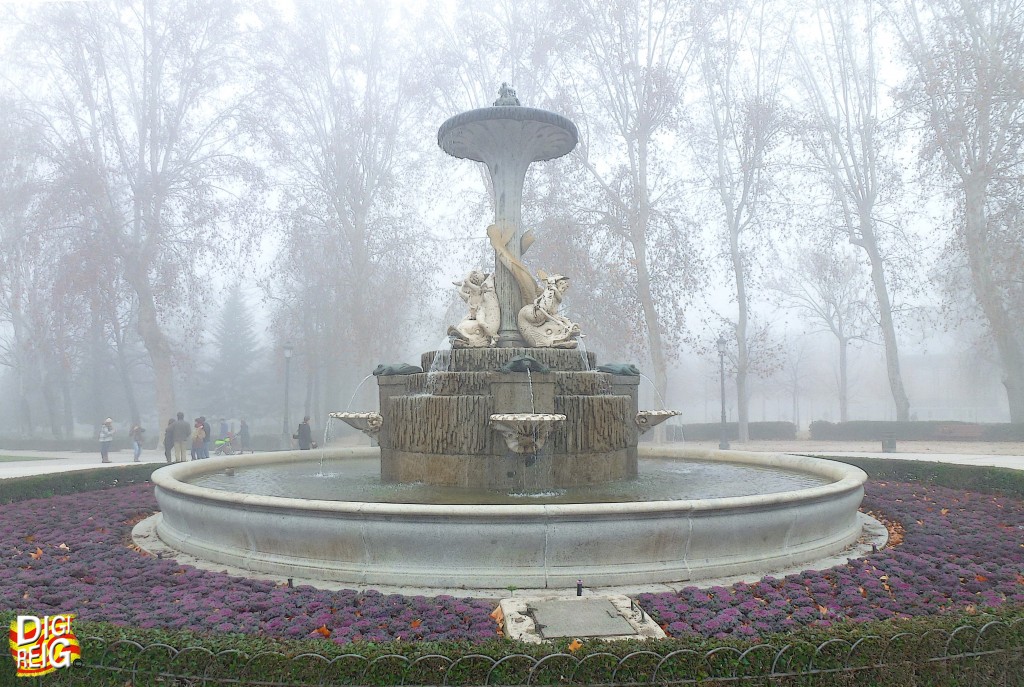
x,y
541,324
479,329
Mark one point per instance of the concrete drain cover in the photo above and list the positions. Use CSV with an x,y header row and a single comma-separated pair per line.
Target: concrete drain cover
x,y
604,617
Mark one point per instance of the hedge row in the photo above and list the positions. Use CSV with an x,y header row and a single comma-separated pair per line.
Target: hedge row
x,y
712,431
894,653
876,430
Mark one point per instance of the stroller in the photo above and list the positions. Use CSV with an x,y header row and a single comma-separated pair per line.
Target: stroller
x,y
225,446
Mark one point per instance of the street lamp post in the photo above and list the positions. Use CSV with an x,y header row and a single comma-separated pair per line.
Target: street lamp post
x,y
723,439
288,350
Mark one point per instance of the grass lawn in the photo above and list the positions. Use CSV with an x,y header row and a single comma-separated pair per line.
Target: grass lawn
x,y
13,459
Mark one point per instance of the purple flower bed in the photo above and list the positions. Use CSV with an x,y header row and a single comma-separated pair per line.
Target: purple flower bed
x,y
71,554
960,550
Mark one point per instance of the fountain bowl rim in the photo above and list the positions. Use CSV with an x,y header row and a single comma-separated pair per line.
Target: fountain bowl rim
x,y
514,113
847,478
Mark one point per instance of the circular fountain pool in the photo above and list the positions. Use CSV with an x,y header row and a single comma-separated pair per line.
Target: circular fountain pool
x,y
618,535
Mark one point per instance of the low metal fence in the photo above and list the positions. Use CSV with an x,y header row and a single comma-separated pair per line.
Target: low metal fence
x,y
985,656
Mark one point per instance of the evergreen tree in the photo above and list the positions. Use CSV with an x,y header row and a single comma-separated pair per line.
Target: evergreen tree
x,y
231,386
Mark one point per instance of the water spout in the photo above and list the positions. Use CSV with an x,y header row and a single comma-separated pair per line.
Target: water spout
x,y
525,432
648,419
369,424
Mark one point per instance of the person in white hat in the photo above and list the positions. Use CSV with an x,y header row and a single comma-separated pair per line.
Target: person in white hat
x,y
106,437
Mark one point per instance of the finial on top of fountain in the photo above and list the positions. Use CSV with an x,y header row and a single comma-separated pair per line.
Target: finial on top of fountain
x,y
506,96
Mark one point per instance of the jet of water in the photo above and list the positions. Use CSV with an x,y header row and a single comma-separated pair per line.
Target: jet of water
x,y
529,381
358,387
441,363
655,387
582,348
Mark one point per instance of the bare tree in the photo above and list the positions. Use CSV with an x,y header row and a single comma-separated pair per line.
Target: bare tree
x,y
341,90
139,120
967,62
843,132
38,341
629,63
825,288
740,77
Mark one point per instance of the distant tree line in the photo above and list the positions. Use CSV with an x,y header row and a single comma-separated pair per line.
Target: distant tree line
x,y
175,175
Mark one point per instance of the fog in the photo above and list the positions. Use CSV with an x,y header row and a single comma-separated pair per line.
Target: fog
x,y
189,189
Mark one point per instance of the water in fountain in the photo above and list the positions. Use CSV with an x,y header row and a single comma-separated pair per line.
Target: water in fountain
x,y
660,480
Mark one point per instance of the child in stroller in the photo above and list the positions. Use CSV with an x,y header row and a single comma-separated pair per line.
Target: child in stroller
x,y
226,446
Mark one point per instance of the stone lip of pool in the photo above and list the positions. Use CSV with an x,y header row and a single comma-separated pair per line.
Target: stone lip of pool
x,y
530,544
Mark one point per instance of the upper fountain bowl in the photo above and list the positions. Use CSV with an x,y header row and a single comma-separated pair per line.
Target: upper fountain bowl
x,y
480,134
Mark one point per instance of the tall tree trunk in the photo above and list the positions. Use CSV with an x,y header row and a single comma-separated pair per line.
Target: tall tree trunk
x,y
158,348
650,318
844,389
68,417
988,294
129,388
892,355
98,368
52,406
742,349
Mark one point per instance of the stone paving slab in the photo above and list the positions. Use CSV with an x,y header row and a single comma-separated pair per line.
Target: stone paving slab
x,y
579,618
608,617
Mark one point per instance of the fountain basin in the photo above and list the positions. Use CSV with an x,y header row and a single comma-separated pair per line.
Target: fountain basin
x,y
649,419
525,432
526,546
368,423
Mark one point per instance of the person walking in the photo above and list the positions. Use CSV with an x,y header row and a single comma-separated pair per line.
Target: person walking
x,y
182,432
106,438
207,438
135,434
198,438
169,440
304,435
243,436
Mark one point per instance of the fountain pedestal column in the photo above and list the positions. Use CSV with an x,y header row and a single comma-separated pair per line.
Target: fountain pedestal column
x,y
508,138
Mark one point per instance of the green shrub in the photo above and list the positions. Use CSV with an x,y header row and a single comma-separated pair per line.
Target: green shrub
x,y
973,478
73,481
904,651
932,430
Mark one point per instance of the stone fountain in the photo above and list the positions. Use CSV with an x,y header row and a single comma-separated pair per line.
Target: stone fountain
x,y
513,407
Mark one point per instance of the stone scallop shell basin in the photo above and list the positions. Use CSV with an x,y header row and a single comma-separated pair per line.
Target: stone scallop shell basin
x,y
528,544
